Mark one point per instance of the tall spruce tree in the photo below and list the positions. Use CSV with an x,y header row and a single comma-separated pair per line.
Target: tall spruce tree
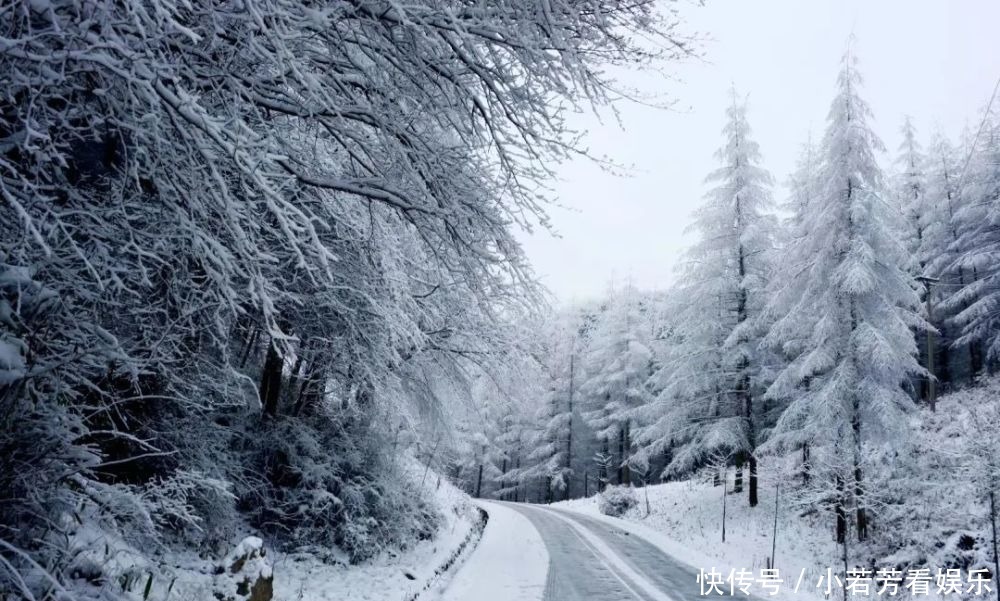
x,y
711,380
979,240
861,302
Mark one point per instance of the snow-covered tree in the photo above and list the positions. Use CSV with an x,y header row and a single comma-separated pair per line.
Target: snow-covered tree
x,y
713,376
617,362
266,226
912,195
861,302
943,246
562,368
975,304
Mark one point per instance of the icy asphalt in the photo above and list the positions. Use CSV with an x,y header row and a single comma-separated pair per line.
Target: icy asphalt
x,y
593,560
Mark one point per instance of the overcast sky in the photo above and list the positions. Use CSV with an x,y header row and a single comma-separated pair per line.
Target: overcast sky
x,y
937,61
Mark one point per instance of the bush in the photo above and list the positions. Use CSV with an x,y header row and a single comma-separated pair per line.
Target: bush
x,y
616,500
330,481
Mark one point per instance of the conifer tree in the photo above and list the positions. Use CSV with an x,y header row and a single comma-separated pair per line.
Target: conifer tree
x,y
861,302
713,377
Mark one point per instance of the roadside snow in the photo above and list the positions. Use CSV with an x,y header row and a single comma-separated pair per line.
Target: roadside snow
x,y
685,522
510,563
390,576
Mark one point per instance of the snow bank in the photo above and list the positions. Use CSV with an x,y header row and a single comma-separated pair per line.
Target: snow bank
x,y
106,566
685,522
390,576
936,514
510,563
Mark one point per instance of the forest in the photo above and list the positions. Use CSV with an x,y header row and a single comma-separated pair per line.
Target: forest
x,y
260,277
803,336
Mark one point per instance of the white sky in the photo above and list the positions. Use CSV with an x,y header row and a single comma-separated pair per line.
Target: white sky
x,y
936,60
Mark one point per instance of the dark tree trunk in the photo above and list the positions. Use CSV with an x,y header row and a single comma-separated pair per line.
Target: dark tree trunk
x,y
840,512
251,343
627,452
270,381
738,478
503,479
621,455
569,427
859,496
517,484
805,463
975,360
602,469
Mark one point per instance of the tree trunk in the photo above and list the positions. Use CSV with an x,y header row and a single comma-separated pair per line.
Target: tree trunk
x,y
621,455
996,557
746,395
840,512
270,381
976,360
859,496
738,478
569,428
627,452
503,479
252,342
723,509
517,484
805,463
602,469
479,481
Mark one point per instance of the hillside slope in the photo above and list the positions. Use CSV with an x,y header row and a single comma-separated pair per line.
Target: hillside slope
x,y
932,506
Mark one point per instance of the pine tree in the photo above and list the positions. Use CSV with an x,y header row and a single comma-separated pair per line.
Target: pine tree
x,y
912,195
714,376
943,247
617,362
979,241
861,301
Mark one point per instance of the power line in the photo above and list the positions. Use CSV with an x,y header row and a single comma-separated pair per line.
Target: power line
x,y
975,139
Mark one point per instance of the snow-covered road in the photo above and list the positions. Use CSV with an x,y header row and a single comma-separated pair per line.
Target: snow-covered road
x,y
587,559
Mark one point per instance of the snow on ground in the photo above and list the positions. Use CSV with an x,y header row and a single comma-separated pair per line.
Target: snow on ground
x,y
685,522
938,517
511,561
391,576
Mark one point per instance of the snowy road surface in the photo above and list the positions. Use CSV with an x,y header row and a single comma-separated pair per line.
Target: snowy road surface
x,y
588,559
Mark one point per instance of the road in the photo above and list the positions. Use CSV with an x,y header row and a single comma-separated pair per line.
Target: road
x,y
590,559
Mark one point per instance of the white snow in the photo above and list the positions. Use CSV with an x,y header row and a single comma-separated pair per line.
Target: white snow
x,y
684,522
510,563
388,577
297,577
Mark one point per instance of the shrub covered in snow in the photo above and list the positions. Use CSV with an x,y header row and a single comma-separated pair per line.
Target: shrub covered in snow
x,y
616,500
245,574
323,488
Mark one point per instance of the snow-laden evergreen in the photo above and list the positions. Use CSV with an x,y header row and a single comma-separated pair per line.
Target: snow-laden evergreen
x,y
911,193
861,305
976,304
618,363
714,370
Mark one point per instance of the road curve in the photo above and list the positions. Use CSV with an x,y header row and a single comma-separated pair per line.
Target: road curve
x,y
590,559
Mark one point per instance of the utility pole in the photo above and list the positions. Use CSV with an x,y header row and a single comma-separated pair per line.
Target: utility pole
x,y
931,381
